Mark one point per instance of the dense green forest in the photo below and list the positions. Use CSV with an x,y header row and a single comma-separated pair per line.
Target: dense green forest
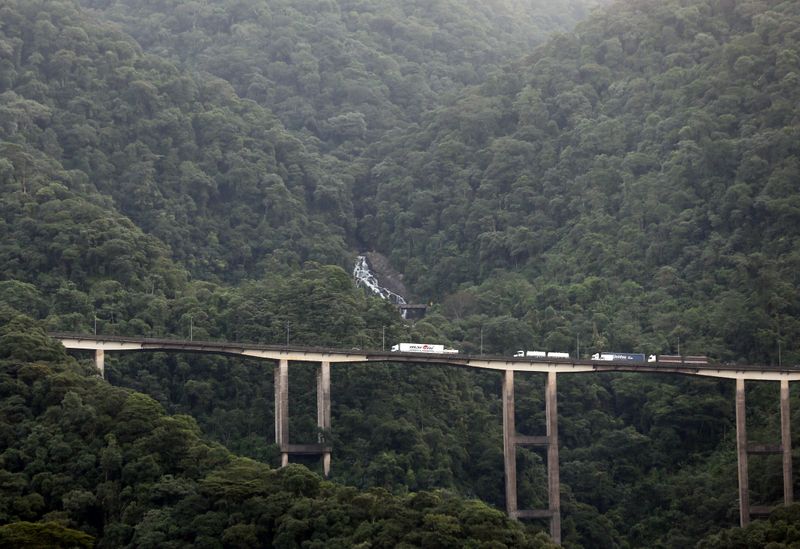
x,y
343,72
215,166
211,175
634,183
91,463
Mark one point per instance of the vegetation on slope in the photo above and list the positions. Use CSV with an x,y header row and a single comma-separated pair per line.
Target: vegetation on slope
x,y
343,72
780,531
81,459
213,176
633,184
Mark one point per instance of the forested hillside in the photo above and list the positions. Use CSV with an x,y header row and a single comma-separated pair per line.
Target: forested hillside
x,y
634,183
344,72
86,463
214,176
212,167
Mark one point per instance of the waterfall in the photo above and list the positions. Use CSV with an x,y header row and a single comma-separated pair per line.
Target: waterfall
x,y
366,279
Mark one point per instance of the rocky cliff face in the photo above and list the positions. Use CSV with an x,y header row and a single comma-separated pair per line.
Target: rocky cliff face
x,y
386,275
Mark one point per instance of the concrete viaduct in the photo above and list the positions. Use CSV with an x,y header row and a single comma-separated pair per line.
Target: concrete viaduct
x,y
282,355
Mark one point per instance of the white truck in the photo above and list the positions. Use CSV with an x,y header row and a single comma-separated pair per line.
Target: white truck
x,y
678,359
422,348
540,354
619,357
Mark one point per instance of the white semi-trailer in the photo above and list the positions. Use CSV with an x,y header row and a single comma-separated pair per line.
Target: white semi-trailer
x,y
422,348
619,357
540,354
678,359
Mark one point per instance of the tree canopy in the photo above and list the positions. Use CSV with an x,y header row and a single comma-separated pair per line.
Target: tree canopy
x,y
84,462
213,167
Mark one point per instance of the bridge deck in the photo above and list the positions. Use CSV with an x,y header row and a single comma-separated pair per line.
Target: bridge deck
x,y
489,362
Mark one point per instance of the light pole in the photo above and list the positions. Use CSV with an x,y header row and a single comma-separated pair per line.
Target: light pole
x,y
95,324
287,333
383,338
191,328
481,340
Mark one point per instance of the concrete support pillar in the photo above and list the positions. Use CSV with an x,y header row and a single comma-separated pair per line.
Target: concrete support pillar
x,y
282,409
786,444
553,481
741,450
324,409
509,446
100,361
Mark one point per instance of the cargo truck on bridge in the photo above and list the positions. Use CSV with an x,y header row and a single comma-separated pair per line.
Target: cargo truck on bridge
x,y
662,359
422,348
540,354
678,359
619,357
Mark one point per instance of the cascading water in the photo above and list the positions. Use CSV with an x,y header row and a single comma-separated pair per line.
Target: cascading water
x,y
366,279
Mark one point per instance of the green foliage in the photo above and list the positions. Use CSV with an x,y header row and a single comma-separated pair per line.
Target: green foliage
x,y
633,175
631,185
42,535
88,114
159,483
342,72
21,339
781,530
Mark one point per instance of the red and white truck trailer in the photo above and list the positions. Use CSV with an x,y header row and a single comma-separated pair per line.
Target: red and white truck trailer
x,y
422,348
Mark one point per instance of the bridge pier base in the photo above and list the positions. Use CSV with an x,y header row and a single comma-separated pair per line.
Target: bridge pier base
x,y
100,362
510,442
